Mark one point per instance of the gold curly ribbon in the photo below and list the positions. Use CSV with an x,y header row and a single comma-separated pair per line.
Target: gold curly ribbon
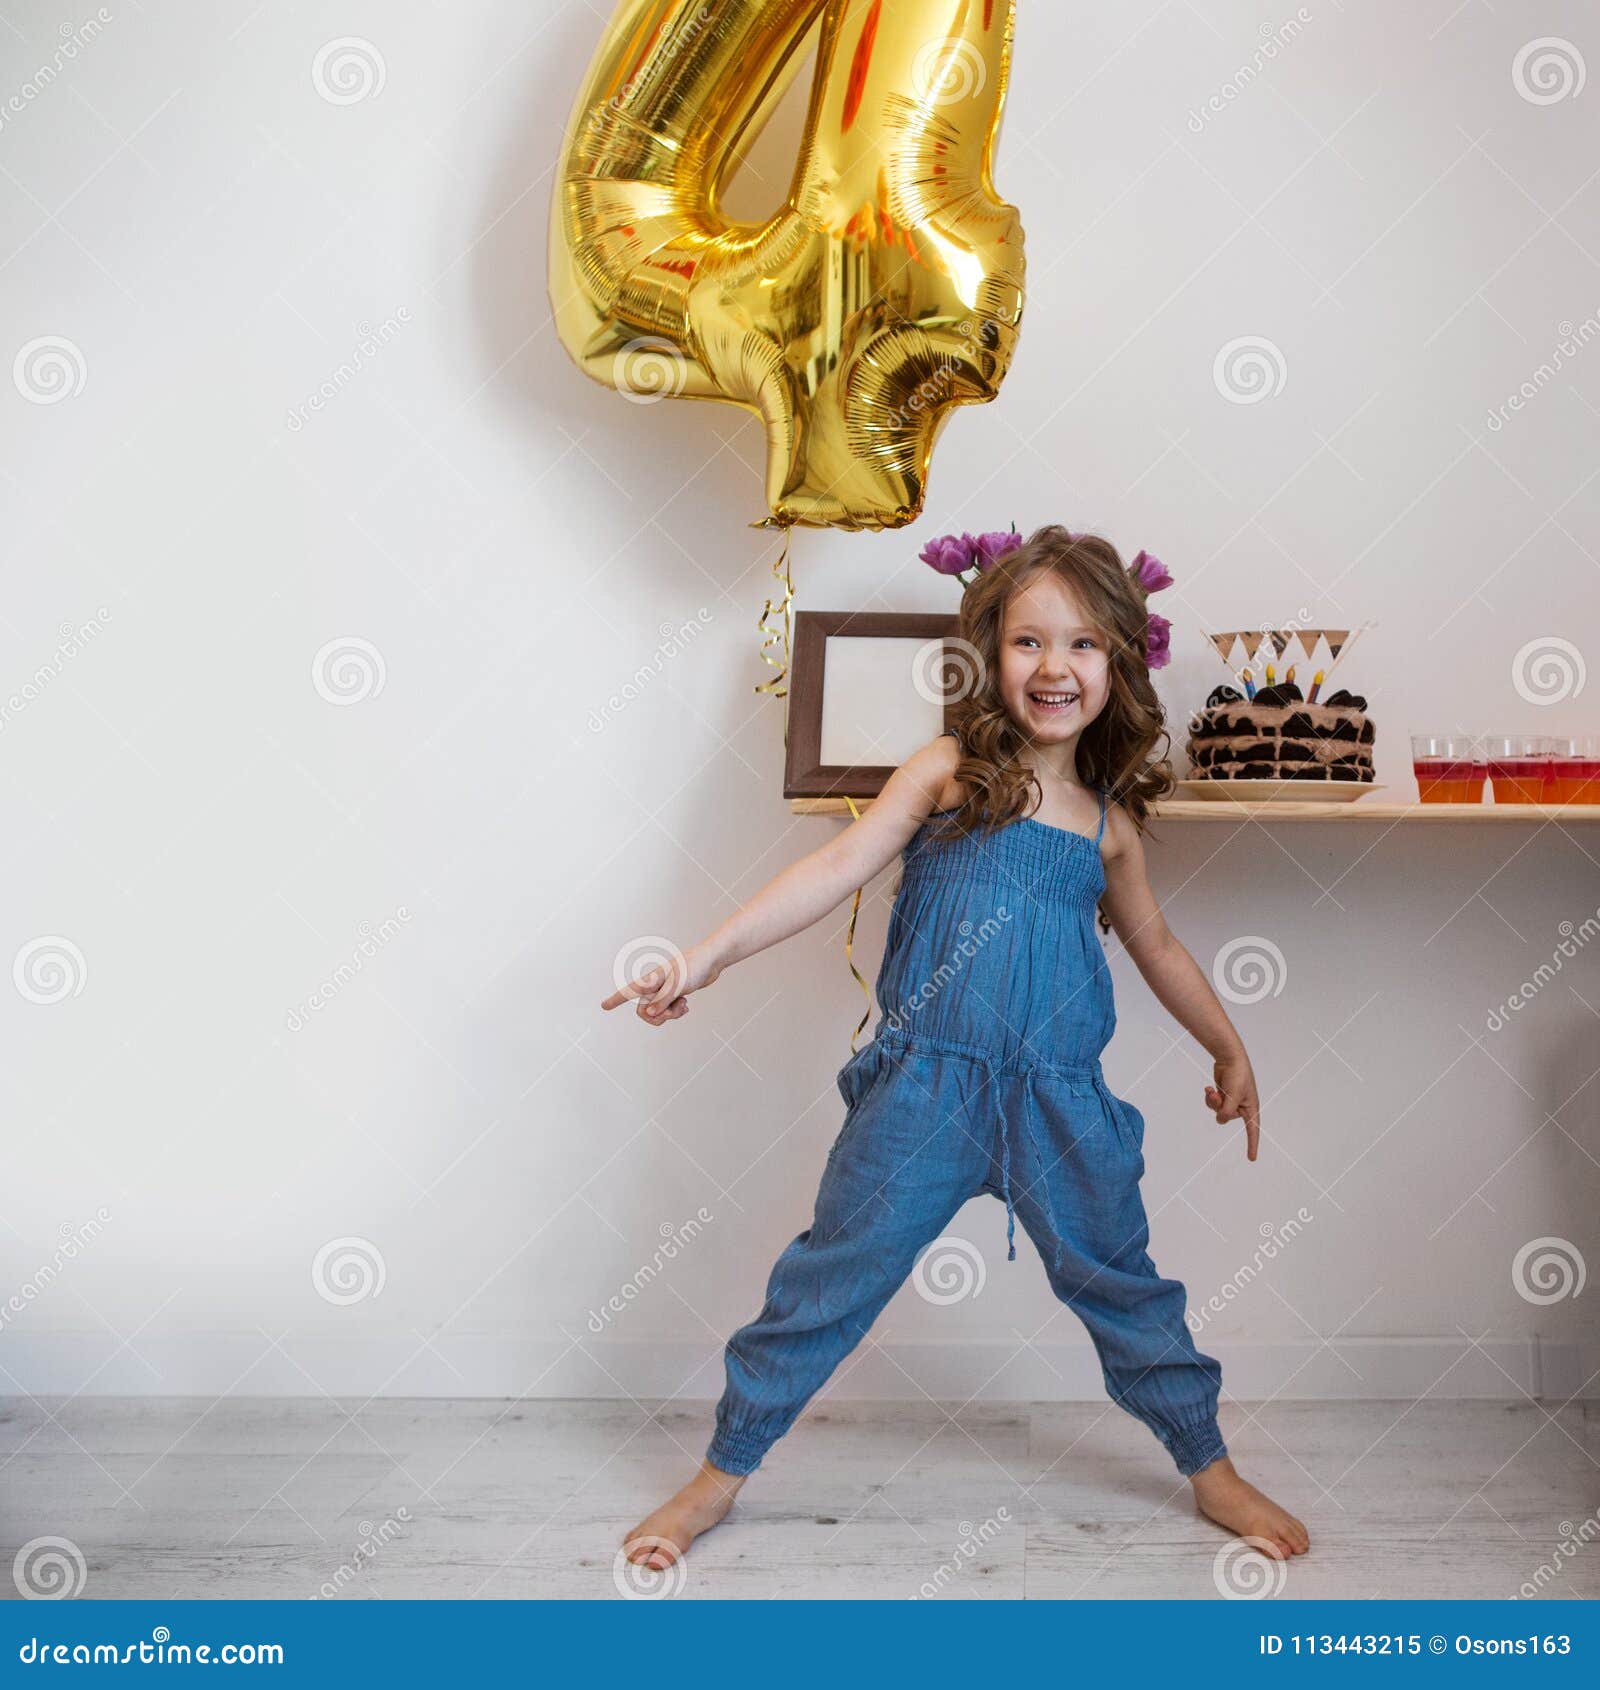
x,y
849,944
774,636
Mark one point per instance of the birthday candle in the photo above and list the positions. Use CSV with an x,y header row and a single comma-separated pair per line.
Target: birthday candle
x,y
1316,681
1269,674
1249,685
1288,680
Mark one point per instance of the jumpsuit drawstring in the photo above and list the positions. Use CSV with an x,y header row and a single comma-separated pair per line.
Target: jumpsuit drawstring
x,y
1005,1146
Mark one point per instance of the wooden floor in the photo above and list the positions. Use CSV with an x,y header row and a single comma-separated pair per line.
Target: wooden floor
x,y
428,1498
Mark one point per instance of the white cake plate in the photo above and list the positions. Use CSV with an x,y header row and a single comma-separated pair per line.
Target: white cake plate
x,y
1278,791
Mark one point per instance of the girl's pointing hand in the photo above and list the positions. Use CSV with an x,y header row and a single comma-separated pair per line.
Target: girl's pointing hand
x,y
663,991
1234,1097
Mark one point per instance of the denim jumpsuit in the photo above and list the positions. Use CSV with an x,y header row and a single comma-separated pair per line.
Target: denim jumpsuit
x,y
983,1074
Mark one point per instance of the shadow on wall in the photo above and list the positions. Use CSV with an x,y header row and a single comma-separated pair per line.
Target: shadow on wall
x,y
643,454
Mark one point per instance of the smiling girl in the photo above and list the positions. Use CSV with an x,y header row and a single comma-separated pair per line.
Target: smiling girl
x,y
1017,823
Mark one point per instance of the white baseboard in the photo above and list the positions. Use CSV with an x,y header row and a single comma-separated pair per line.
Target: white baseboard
x,y
246,1364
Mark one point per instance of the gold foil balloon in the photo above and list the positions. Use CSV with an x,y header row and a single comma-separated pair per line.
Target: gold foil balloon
x,y
885,290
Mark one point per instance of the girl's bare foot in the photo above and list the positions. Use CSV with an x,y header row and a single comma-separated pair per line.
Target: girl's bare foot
x,y
1231,1501
662,1537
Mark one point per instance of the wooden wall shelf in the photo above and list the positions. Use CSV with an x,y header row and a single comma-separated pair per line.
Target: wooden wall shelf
x,y
1358,810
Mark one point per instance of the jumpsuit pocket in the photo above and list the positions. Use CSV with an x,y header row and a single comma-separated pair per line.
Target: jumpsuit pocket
x,y
1130,1125
849,1076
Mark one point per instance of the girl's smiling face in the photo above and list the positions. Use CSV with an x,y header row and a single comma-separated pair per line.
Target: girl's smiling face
x,y
1055,666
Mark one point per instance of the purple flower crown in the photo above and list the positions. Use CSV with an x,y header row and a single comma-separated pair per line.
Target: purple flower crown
x,y
955,554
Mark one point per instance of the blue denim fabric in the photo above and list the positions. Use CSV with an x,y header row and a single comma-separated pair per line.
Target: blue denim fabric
x,y
983,1074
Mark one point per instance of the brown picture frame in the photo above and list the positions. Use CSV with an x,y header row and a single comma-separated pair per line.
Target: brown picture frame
x,y
805,775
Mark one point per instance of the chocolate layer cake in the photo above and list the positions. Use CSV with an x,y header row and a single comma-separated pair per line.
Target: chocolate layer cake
x,y
1278,736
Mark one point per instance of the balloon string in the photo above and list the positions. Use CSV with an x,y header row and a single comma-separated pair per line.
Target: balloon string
x,y
849,945
773,636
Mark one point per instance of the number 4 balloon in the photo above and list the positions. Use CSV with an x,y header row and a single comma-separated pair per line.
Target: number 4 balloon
x,y
886,289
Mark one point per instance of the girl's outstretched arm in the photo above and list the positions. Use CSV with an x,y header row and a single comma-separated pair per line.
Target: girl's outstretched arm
x,y
805,891
1176,978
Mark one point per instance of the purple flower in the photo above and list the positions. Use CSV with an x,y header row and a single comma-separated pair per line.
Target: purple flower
x,y
949,554
988,549
1151,573
1158,642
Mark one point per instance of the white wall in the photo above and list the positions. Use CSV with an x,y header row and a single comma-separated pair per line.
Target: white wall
x,y
214,837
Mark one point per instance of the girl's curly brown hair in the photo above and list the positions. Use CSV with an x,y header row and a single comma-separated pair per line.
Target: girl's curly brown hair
x,y
1117,749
